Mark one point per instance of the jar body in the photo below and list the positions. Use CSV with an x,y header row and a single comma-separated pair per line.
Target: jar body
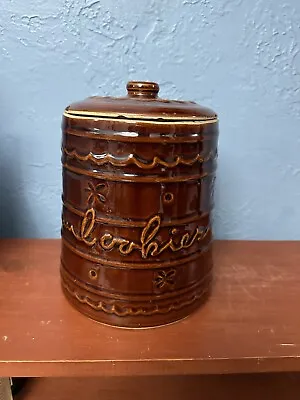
x,y
136,231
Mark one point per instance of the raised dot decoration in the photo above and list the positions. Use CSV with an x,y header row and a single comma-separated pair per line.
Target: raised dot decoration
x,y
168,198
93,274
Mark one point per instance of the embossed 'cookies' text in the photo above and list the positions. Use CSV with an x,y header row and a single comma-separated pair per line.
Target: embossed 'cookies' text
x,y
86,228
148,245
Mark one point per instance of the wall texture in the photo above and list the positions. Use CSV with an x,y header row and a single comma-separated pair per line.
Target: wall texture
x,y
239,57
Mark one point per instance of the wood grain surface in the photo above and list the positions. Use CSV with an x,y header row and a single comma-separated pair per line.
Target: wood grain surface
x,y
250,324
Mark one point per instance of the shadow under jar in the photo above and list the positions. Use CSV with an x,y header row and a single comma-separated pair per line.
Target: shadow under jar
x,y
138,179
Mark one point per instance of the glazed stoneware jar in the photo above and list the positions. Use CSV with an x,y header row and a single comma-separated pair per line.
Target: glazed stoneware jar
x,y
138,179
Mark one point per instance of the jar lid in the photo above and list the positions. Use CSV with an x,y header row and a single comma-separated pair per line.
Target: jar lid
x,y
141,103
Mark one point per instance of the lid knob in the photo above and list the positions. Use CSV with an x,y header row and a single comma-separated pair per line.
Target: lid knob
x,y
148,90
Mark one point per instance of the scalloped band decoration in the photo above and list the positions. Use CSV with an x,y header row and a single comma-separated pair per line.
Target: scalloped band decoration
x,y
131,159
112,307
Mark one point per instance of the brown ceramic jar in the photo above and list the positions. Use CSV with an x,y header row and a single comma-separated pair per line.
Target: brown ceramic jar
x,y
138,178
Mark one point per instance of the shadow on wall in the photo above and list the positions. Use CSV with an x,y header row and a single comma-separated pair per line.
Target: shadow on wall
x,y
220,218
10,202
13,206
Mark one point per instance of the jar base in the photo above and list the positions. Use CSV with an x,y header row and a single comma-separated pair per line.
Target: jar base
x,y
131,316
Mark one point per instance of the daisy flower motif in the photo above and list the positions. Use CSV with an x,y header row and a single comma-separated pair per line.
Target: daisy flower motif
x,y
95,193
164,278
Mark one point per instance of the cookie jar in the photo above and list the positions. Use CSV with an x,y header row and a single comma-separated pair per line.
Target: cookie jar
x,y
138,180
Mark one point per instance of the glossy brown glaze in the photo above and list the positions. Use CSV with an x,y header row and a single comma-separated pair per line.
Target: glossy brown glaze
x,y
138,178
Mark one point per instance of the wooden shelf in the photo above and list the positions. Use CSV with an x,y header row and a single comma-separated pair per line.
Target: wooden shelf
x,y
250,324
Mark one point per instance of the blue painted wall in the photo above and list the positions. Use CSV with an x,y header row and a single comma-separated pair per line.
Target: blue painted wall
x,y
239,57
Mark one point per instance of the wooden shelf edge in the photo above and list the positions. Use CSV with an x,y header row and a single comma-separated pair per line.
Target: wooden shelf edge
x,y
147,367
